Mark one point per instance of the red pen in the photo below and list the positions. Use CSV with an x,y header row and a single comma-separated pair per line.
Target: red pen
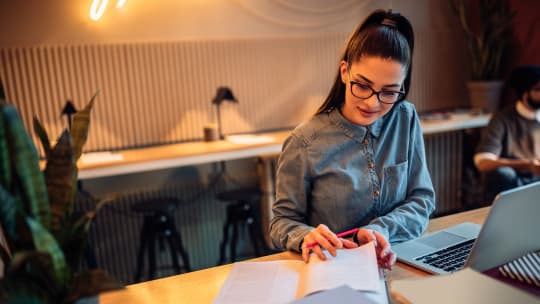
x,y
339,235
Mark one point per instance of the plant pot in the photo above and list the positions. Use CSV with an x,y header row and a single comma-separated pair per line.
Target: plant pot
x,y
485,95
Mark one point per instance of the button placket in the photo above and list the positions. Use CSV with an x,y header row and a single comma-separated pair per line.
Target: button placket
x,y
371,169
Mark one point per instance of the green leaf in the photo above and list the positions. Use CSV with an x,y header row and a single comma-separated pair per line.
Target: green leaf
x,y
5,168
45,242
59,177
8,212
43,137
2,93
26,164
80,126
73,238
29,274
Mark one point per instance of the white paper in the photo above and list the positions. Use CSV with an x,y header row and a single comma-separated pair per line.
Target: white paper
x,y
286,280
248,139
356,268
261,282
100,157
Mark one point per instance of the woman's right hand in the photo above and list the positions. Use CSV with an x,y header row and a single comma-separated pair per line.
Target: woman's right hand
x,y
386,257
326,239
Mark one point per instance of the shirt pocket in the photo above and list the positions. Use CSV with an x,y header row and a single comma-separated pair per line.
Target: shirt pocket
x,y
394,185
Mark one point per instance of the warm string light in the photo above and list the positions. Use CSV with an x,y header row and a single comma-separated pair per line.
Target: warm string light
x,y
98,8
120,3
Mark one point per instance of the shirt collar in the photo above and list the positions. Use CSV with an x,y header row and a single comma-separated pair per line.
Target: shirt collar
x,y
526,112
355,131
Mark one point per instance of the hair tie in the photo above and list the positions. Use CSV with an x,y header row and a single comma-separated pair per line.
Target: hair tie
x,y
389,22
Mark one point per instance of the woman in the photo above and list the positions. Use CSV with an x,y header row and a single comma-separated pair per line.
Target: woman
x,y
360,161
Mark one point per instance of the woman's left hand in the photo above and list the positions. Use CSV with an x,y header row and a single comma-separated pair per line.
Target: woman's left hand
x,y
386,257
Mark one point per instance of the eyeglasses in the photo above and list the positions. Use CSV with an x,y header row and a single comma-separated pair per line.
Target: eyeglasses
x,y
362,91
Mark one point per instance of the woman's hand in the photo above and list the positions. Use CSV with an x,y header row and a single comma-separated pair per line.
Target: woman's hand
x,y
326,239
386,258
535,167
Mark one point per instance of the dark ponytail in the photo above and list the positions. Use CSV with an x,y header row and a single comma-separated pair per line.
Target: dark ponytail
x,y
382,34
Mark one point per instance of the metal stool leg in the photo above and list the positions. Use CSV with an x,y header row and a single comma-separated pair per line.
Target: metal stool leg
x,y
152,252
178,239
253,235
234,241
172,249
144,237
225,239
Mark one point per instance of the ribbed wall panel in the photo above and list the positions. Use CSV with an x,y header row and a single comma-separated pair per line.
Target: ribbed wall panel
x,y
160,92
444,153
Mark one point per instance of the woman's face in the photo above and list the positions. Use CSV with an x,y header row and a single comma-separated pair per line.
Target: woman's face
x,y
376,73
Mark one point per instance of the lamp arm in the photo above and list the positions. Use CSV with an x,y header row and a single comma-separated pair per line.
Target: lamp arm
x,y
220,135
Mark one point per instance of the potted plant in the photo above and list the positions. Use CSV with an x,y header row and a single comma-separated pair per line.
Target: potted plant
x,y
43,238
488,45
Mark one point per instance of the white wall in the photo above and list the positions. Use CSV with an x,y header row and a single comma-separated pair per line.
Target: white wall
x,y
31,22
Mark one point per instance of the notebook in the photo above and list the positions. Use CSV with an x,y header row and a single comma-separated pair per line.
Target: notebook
x,y
510,231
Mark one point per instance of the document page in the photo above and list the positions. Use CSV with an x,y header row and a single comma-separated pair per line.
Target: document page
x,y
285,280
261,282
356,268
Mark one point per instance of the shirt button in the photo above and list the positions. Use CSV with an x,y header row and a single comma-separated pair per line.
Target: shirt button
x,y
376,193
370,165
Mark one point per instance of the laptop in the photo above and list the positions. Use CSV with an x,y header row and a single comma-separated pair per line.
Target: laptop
x,y
511,229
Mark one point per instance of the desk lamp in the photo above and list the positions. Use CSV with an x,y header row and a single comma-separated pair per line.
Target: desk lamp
x,y
222,94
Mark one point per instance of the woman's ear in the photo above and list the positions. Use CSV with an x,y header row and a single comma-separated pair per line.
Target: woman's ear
x,y
344,71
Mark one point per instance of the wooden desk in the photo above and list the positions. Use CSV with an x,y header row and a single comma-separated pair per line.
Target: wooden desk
x,y
202,286
183,154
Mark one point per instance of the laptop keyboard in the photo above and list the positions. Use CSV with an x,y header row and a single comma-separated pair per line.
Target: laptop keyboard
x,y
449,259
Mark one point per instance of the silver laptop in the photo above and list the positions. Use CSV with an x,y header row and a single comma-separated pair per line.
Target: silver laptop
x,y
511,230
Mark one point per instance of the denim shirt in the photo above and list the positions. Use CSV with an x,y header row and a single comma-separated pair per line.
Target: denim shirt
x,y
344,175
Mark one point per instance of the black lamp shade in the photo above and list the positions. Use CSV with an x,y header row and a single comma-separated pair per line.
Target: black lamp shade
x,y
223,93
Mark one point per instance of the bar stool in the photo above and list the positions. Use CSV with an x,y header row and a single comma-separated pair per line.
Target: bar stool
x,y
241,210
158,225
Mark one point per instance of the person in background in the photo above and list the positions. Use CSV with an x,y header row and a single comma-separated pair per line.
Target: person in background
x,y
359,162
509,152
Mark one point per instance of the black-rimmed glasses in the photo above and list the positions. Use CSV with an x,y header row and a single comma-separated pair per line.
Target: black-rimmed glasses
x,y
363,91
